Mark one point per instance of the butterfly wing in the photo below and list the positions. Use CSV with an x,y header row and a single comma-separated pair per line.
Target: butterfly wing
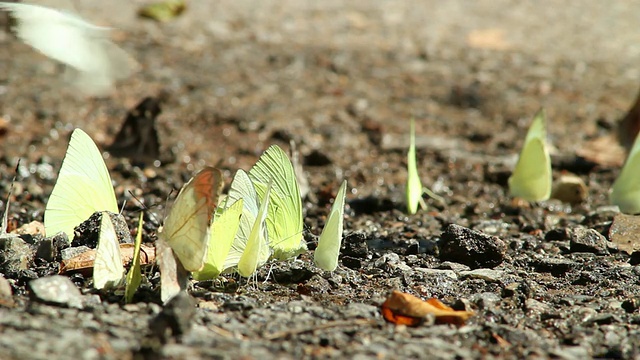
x,y
531,180
134,276
83,187
284,219
107,269
243,188
186,228
414,185
69,39
222,234
253,254
625,192
328,250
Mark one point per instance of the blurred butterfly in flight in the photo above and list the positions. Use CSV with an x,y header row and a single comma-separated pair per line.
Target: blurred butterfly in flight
x,y
94,63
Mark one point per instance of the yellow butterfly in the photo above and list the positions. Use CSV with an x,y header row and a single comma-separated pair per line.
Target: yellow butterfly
x,y
626,189
531,180
83,187
328,250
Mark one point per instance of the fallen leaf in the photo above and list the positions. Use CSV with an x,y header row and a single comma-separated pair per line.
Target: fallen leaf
x,y
83,263
405,309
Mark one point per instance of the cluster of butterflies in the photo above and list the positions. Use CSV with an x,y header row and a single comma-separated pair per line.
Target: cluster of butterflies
x,y
532,179
209,233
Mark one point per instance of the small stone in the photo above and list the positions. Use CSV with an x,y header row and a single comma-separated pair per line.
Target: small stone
x,y
486,300
46,250
438,272
32,228
470,247
483,274
57,290
570,189
351,262
5,288
587,240
355,245
15,254
554,266
176,317
72,252
625,232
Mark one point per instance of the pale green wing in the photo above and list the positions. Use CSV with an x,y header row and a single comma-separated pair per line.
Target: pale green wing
x,y
134,276
284,218
328,250
243,188
626,189
223,232
186,228
414,185
531,179
107,270
253,254
83,187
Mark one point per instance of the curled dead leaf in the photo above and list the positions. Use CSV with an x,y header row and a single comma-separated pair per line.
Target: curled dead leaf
x,y
83,263
405,309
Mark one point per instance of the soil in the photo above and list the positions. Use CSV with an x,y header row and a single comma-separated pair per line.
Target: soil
x,y
343,81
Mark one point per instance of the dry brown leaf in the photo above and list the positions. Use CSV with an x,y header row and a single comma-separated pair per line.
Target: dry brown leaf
x,y
405,309
83,263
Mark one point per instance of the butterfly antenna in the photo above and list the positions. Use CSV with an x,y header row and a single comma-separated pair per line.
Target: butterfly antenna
x,y
143,207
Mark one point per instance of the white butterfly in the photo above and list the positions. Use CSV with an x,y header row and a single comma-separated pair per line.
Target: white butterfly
x,y
250,248
328,250
83,187
95,61
108,271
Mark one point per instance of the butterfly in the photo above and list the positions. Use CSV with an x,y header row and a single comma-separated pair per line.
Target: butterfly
x,y
186,228
531,179
328,250
221,235
625,192
414,184
284,218
83,187
250,248
108,271
134,276
138,137
65,37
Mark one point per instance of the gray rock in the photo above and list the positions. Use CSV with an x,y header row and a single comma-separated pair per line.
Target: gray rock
x,y
588,240
57,290
470,247
438,272
15,254
483,274
71,252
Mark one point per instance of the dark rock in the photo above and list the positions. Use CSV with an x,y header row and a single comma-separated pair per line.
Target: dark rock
x,y
175,319
88,232
588,240
351,262
60,242
554,266
46,250
470,247
58,290
355,245
559,234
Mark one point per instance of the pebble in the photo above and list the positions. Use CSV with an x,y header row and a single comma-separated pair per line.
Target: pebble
x,y
15,254
587,240
625,232
438,272
483,274
554,266
470,247
57,290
